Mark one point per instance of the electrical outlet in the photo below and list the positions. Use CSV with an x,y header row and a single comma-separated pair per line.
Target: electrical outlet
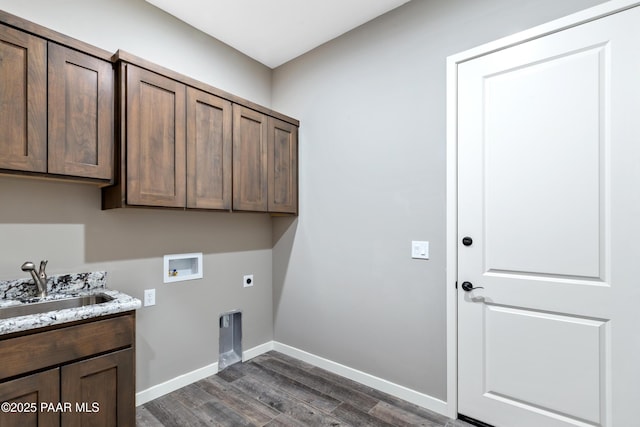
x,y
247,280
149,297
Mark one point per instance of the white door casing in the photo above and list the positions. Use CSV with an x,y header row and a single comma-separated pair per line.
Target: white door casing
x,y
547,133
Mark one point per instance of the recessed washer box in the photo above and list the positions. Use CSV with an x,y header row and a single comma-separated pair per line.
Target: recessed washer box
x,y
179,267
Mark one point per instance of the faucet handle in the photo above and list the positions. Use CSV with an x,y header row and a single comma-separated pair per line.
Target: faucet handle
x,y
43,266
28,266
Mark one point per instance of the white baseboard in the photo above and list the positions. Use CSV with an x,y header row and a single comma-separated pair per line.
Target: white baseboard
x,y
257,351
180,381
415,397
176,383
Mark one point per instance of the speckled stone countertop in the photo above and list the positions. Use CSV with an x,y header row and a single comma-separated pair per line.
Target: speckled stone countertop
x,y
22,291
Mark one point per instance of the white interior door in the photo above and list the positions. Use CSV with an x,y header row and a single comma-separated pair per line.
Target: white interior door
x,y
549,192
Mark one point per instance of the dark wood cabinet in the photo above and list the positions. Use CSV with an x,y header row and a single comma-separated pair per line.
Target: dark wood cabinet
x,y
209,145
80,114
250,173
183,144
56,108
23,101
265,163
78,375
155,139
283,166
24,397
175,145
101,388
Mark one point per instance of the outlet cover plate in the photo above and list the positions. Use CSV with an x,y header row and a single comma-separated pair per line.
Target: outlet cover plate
x,y
247,280
419,249
149,297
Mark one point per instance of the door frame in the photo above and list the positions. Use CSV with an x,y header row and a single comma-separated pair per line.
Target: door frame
x,y
590,14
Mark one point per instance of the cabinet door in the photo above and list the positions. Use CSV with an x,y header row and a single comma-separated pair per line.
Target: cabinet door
x,y
80,114
25,395
249,160
101,390
23,101
209,121
155,139
283,167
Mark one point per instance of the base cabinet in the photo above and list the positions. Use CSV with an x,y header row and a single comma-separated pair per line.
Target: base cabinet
x,y
24,397
80,375
101,390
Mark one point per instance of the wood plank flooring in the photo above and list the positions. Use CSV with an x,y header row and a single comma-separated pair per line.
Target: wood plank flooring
x,y
274,390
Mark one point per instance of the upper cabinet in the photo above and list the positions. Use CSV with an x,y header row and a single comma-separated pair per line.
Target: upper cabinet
x,y
155,135
265,163
80,114
209,130
250,173
282,143
149,136
175,145
23,101
56,106
183,144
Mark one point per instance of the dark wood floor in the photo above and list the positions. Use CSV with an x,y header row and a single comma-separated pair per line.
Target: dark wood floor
x,y
275,390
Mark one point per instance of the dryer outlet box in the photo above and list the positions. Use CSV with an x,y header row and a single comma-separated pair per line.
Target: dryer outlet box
x,y
247,280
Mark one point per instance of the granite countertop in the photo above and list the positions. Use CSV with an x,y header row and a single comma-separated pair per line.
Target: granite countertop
x,y
22,292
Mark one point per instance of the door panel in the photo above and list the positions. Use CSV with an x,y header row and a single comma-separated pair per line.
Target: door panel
x,y
555,111
283,167
80,114
23,101
103,387
546,131
249,160
30,392
209,121
546,361
156,139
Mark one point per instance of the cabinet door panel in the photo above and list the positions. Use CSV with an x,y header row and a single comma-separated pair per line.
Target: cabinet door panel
x,y
249,160
156,138
283,167
209,121
80,114
23,101
29,392
104,389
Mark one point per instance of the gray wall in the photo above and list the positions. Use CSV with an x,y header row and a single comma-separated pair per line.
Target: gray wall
x,y
63,222
372,158
372,178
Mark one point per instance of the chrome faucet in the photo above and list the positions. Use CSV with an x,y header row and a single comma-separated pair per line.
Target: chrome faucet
x,y
39,278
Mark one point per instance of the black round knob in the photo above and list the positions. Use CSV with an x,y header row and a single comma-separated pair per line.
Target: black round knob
x,y
467,241
468,286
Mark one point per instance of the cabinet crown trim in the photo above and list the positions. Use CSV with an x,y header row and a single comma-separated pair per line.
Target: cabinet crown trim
x,y
124,56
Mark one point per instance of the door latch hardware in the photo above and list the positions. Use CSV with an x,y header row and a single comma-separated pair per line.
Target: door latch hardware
x,y
468,286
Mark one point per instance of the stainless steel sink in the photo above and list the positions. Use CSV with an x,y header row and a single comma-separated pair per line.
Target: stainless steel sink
x,y
60,304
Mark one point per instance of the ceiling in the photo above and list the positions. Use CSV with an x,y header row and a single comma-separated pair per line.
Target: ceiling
x,y
275,31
